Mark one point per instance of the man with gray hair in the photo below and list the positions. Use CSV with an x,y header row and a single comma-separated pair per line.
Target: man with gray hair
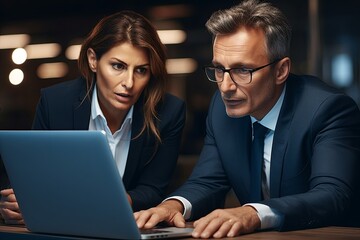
x,y
288,145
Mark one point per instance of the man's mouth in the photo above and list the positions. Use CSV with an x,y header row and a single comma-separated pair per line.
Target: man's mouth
x,y
233,101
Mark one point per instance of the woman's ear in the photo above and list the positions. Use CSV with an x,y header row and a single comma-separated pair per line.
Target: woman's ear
x,y
92,60
283,70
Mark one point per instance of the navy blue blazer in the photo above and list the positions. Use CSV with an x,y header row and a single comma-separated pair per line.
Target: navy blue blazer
x,y
149,166
314,163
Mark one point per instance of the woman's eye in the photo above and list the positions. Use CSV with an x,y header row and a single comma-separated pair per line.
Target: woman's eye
x,y
118,66
142,70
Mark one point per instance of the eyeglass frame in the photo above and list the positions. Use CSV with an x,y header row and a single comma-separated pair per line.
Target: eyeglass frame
x,y
250,70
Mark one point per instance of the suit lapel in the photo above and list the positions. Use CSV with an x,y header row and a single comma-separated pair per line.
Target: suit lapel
x,y
244,147
82,110
236,156
281,137
233,140
136,144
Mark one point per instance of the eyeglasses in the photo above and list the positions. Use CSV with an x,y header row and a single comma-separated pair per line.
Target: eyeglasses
x,y
240,75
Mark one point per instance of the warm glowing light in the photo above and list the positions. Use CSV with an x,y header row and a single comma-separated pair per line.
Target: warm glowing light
x,y
172,36
46,50
73,51
16,76
171,11
181,65
52,70
14,41
19,56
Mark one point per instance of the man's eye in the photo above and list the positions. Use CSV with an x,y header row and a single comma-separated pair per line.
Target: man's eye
x,y
240,70
218,70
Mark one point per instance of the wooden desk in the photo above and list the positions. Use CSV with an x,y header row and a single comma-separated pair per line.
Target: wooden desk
x,y
327,233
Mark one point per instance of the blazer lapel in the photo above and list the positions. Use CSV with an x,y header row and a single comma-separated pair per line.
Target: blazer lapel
x,y
82,110
281,138
136,144
245,153
236,154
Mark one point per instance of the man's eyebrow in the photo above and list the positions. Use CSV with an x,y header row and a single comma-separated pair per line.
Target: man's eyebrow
x,y
215,63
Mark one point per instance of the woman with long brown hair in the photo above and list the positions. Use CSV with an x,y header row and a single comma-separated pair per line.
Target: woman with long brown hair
x,y
121,92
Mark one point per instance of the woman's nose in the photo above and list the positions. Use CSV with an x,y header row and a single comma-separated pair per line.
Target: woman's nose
x,y
128,81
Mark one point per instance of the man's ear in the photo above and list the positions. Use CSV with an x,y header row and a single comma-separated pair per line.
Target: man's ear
x,y
283,70
92,60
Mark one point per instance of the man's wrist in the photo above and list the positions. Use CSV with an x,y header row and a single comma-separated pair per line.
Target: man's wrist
x,y
269,217
173,204
185,206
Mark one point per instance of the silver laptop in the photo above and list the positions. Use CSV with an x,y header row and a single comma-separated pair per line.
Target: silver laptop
x,y
67,183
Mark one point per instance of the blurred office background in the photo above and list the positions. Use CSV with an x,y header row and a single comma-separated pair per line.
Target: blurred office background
x,y
39,42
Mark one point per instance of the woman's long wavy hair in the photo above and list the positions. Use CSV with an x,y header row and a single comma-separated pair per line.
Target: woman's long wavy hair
x,y
131,27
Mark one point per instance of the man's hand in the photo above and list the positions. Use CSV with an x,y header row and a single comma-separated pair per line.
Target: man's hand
x,y
169,211
229,222
9,208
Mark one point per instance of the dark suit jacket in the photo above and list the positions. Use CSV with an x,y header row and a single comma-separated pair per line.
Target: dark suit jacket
x,y
149,167
315,159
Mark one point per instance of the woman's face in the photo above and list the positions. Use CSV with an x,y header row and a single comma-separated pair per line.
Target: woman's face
x,y
122,73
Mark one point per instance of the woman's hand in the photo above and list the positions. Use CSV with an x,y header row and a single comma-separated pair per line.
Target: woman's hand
x,y
9,208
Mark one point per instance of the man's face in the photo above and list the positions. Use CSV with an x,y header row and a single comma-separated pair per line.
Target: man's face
x,y
246,48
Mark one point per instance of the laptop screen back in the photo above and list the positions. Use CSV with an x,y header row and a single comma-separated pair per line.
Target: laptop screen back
x,y
66,182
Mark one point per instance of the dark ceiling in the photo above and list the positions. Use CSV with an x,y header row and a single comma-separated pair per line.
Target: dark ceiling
x,y
68,22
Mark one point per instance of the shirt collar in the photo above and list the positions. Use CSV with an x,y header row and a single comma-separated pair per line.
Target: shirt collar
x,y
271,117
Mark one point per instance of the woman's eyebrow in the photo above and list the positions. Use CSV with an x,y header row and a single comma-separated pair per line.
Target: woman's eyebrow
x,y
144,65
120,61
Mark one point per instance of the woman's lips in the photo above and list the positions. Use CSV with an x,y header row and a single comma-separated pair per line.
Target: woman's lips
x,y
123,97
123,94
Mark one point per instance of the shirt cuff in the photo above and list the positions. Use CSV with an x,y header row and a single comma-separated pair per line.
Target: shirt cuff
x,y
269,217
186,204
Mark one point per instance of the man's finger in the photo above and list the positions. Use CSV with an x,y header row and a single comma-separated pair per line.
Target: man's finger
x,y
179,220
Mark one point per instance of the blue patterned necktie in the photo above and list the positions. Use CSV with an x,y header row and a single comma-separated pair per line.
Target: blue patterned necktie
x,y
257,159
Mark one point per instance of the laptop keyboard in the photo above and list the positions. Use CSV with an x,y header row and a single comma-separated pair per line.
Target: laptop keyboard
x,y
149,231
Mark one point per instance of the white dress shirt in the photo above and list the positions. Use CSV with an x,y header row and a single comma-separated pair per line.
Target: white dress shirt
x,y
268,217
119,142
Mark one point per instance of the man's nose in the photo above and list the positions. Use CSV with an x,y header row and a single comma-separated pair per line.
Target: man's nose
x,y
227,83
